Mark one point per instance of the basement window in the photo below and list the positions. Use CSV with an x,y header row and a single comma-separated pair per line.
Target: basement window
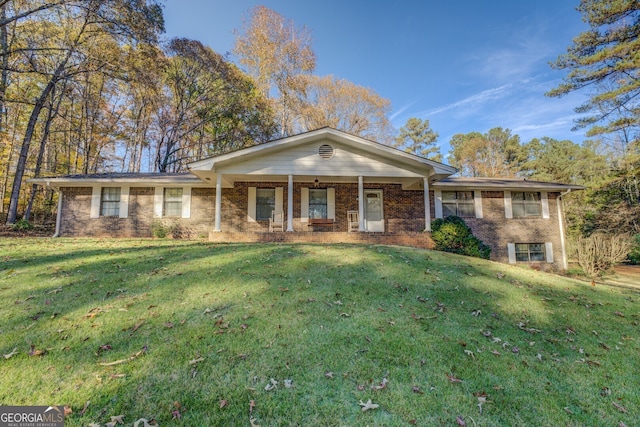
x,y
530,252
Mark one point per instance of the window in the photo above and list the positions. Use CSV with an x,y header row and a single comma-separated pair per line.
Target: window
x,y
172,202
529,252
318,203
110,201
265,202
458,203
525,204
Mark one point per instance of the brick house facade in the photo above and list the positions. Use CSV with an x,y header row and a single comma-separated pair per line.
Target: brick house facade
x,y
228,198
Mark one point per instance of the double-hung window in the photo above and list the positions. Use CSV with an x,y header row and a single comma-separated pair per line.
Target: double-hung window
x,y
172,205
458,203
110,201
265,203
525,204
318,203
530,252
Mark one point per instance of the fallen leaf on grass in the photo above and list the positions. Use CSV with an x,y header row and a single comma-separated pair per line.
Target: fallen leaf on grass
x,y
620,407
128,359
94,425
67,410
273,384
619,314
13,353
460,421
145,423
34,352
194,361
84,408
119,419
567,410
252,404
453,378
382,385
328,375
470,354
416,389
288,383
224,403
253,422
368,405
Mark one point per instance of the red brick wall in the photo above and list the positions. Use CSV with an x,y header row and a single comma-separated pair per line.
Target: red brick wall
x,y
496,231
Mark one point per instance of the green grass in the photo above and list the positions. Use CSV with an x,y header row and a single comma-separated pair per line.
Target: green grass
x,y
253,312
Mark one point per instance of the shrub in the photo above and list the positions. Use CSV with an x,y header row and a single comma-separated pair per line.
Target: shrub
x,y
452,234
599,253
634,255
22,225
161,229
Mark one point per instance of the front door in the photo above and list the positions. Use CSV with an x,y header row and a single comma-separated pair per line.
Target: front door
x,y
373,216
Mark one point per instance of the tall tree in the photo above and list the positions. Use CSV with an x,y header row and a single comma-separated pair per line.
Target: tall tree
x,y
340,104
496,153
417,137
605,58
276,53
211,107
64,52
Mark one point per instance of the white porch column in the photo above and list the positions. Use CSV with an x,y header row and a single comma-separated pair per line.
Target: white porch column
x,y
427,206
218,220
360,204
290,204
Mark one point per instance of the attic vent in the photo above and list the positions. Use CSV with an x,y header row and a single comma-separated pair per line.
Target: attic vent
x,y
325,151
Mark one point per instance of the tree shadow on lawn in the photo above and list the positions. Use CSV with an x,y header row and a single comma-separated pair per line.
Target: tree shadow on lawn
x,y
277,292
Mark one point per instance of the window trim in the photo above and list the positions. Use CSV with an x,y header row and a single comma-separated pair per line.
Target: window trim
x,y
272,206
457,201
529,252
115,203
177,199
524,202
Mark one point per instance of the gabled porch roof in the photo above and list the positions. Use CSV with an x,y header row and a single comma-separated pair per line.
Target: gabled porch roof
x,y
345,157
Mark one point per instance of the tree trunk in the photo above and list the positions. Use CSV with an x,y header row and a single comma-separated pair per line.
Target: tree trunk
x,y
43,143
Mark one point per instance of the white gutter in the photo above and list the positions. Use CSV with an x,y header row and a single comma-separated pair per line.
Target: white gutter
x,y
565,264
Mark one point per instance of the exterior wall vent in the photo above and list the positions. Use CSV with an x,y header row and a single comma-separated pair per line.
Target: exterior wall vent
x,y
325,151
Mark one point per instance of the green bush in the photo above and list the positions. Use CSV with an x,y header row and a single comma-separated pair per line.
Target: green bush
x,y
452,234
161,229
22,225
634,255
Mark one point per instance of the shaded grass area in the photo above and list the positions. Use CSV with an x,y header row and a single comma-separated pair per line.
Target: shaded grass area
x,y
454,336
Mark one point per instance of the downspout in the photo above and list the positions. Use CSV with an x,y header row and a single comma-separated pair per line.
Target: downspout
x,y
565,264
58,214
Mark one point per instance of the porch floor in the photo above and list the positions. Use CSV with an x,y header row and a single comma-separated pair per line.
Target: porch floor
x,y
414,239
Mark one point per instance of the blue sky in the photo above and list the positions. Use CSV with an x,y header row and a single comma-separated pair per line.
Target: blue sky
x,y
463,65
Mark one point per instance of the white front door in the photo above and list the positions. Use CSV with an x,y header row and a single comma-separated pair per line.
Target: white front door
x,y
373,215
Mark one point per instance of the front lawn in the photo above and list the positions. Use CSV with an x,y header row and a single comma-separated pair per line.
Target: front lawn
x,y
201,334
